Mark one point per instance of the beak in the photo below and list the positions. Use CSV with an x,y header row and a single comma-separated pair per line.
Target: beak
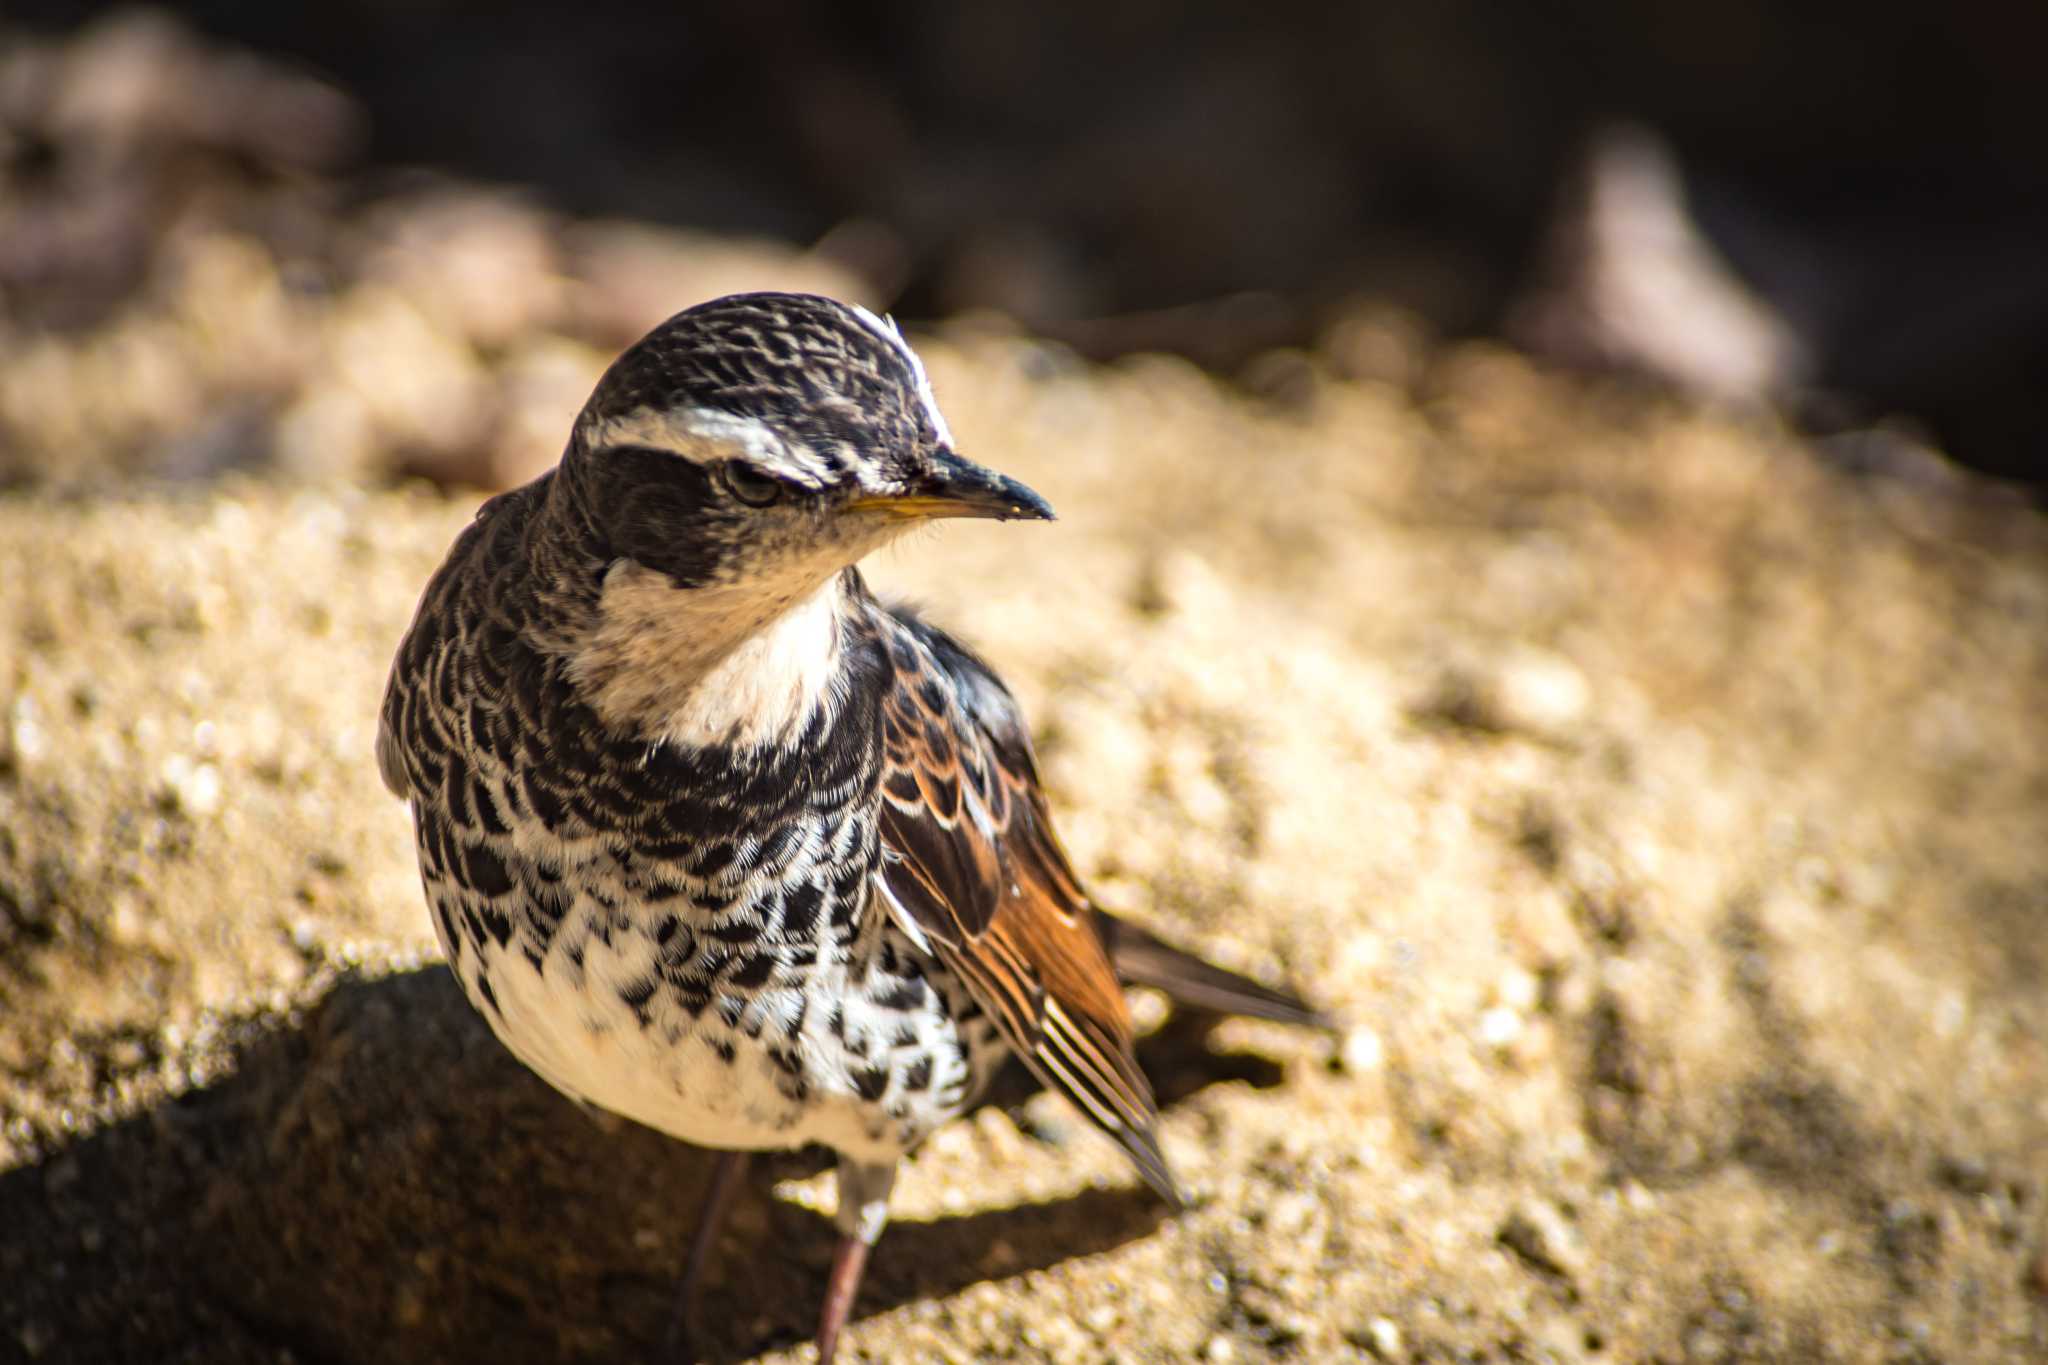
x,y
956,487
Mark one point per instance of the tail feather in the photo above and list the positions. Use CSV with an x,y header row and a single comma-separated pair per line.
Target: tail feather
x,y
1142,959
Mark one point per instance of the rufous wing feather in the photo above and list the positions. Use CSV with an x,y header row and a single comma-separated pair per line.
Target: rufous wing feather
x,y
973,866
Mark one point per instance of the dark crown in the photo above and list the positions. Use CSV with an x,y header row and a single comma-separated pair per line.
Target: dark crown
x,y
834,381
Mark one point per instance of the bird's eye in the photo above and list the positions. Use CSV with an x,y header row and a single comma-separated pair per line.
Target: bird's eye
x,y
750,485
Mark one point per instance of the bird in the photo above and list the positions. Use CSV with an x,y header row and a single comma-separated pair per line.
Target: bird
x,y
717,840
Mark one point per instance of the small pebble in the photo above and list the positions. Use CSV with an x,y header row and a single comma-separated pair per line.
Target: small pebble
x,y
1519,989
1363,1051
1499,1027
1541,693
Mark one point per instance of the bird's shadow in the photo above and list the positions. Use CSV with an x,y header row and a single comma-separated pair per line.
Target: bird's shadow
x,y
381,1180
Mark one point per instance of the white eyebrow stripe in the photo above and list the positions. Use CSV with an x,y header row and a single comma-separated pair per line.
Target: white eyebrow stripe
x,y
706,435
885,327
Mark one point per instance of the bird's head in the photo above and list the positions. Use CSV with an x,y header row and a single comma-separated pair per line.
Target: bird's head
x,y
772,440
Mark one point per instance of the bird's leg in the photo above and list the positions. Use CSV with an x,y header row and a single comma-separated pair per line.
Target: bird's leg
x,y
863,1213
726,1176
848,1261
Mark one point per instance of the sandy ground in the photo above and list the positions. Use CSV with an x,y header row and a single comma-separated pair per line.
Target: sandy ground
x,y
1661,811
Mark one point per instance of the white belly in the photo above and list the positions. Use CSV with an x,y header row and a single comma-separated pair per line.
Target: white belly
x,y
702,1079
588,1044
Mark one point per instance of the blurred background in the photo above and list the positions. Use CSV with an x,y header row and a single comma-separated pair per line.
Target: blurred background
x,y
1550,565
1838,211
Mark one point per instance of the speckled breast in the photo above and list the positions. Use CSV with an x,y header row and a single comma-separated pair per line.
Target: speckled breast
x,y
684,936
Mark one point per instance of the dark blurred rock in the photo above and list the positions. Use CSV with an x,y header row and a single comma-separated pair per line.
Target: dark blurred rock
x,y
111,139
1630,283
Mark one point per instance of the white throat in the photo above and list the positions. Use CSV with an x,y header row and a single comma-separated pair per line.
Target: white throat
x,y
711,665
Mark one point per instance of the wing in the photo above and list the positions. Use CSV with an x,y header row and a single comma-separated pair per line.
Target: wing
x,y
973,867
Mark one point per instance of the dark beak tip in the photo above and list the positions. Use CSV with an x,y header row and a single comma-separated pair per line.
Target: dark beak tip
x,y
1026,503
986,491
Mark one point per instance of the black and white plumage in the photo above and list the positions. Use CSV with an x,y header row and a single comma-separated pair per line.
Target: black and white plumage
x,y
711,837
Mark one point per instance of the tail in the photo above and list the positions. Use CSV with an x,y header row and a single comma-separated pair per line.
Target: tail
x,y
1143,960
